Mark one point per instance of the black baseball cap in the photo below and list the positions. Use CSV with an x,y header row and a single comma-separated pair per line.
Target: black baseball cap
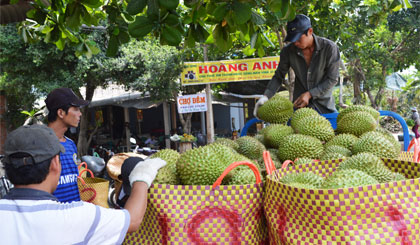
x,y
60,97
38,141
297,27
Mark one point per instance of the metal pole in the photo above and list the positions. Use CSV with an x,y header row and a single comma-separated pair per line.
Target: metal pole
x,y
209,113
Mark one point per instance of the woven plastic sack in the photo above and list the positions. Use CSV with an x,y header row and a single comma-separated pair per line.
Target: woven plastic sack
x,y
406,156
93,190
386,213
194,214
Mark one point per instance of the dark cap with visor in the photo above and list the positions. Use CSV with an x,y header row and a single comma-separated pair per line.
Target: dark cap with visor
x,y
60,97
38,141
297,27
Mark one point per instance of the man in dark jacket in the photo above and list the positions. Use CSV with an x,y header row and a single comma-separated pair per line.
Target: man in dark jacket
x,y
315,61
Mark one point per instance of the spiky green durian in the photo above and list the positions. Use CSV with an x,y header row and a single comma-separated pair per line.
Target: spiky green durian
x,y
303,160
306,178
298,145
388,135
337,149
332,156
300,114
203,165
398,177
376,143
346,140
227,142
316,126
370,164
353,108
250,147
168,173
356,123
260,138
348,178
276,110
274,133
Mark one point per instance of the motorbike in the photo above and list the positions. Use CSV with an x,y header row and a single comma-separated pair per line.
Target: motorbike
x,y
5,184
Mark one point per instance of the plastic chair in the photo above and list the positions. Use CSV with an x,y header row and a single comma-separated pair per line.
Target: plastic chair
x,y
332,117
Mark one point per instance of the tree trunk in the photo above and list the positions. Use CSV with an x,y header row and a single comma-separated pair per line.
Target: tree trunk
x,y
372,100
82,142
358,76
185,119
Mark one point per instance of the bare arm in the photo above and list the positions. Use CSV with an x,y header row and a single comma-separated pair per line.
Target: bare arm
x,y
136,205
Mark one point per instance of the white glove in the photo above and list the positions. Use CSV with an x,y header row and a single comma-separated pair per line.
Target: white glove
x,y
259,103
146,171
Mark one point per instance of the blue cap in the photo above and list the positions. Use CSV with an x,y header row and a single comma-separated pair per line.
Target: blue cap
x,y
297,27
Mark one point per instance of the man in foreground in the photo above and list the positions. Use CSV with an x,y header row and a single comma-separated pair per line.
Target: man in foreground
x,y
315,61
30,214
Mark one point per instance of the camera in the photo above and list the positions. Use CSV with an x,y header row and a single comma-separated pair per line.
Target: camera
x,y
190,75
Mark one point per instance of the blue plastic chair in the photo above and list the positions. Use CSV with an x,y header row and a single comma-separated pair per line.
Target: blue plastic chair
x,y
332,117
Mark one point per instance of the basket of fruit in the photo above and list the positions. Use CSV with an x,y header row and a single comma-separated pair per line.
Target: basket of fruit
x,y
207,195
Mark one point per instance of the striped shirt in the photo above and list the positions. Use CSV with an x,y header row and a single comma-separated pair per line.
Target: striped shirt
x,y
31,216
67,190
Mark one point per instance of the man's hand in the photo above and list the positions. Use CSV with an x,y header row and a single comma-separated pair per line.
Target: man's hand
x,y
259,103
146,171
302,100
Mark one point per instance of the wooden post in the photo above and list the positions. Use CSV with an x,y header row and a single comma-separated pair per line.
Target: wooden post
x,y
209,113
167,124
184,146
173,116
127,129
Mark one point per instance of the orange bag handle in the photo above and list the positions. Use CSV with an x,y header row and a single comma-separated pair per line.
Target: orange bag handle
x,y
234,165
416,146
87,170
82,164
268,162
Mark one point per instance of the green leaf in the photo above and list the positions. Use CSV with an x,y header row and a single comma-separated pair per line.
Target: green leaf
x,y
261,51
171,35
243,28
136,6
253,39
241,12
248,51
112,49
190,41
73,13
275,5
268,40
222,38
187,20
116,31
123,37
257,19
169,4
28,113
153,9
91,3
172,20
60,44
191,3
140,27
220,12
200,34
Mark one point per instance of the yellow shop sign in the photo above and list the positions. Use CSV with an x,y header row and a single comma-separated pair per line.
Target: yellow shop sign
x,y
223,71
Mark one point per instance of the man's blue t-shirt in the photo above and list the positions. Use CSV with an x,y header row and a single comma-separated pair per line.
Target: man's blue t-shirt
x,y
67,190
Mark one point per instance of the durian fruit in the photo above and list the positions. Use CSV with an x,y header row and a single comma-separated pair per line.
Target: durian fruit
x,y
250,147
274,157
376,143
356,123
298,145
242,176
316,126
303,186
274,133
346,140
300,114
353,108
398,177
388,135
203,165
303,160
370,164
306,178
337,149
227,142
260,138
276,110
332,156
168,173
348,178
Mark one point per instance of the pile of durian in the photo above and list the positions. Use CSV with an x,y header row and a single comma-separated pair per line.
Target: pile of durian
x,y
309,136
358,139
